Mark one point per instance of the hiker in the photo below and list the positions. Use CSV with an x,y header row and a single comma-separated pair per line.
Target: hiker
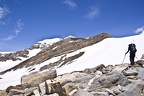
x,y
132,49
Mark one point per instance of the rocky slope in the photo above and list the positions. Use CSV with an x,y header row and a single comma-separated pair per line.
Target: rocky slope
x,y
14,56
58,48
98,81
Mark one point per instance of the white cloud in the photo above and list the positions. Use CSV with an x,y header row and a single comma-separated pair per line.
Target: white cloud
x,y
140,30
17,30
70,3
92,13
3,12
9,37
19,27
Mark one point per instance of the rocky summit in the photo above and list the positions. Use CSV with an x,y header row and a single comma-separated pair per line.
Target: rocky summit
x,y
44,80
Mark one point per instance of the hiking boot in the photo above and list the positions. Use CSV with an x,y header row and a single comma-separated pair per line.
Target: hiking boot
x,y
130,65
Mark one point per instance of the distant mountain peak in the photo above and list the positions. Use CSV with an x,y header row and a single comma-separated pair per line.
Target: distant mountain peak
x,y
70,36
50,41
45,43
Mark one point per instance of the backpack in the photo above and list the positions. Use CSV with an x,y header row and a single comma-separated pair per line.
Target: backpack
x,y
133,48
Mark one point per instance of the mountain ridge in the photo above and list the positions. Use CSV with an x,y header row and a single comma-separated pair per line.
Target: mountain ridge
x,y
51,50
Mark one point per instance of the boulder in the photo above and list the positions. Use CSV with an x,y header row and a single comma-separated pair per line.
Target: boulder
x,y
107,69
101,94
42,88
140,73
54,87
130,72
36,92
136,88
72,92
30,91
108,81
70,87
3,93
120,67
140,62
83,93
114,79
35,79
75,77
13,87
14,92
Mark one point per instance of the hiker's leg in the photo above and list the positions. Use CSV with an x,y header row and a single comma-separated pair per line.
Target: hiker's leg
x,y
132,59
132,62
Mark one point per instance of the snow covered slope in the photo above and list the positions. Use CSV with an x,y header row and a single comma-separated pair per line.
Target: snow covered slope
x,y
36,48
109,51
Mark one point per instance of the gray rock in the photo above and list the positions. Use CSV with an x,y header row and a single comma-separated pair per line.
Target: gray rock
x,y
33,80
130,72
136,88
54,87
36,92
101,94
42,88
16,92
29,91
141,73
83,93
3,93
70,87
119,68
55,94
72,92
108,81
114,79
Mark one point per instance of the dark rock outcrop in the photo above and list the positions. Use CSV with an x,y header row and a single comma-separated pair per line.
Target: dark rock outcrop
x,y
14,56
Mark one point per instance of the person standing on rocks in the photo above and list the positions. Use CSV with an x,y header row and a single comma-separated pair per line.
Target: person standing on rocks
x,y
132,49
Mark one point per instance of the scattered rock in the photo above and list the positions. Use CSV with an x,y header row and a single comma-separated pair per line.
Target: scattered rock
x,y
16,92
18,87
98,81
130,72
3,93
142,57
53,87
35,79
136,88
83,93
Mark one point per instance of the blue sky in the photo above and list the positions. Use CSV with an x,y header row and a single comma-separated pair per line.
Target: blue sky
x,y
25,22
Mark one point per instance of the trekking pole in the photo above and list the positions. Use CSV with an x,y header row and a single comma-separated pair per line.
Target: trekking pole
x,y
123,62
137,58
123,58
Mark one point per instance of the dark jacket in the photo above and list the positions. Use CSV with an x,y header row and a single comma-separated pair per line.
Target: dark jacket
x,y
130,48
